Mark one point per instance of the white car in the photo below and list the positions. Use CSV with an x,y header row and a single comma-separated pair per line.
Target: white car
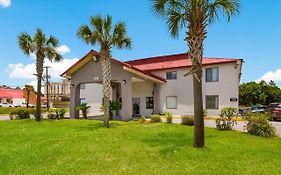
x,y
6,105
23,105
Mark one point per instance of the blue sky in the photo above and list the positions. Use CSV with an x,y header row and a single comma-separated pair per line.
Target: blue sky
x,y
254,35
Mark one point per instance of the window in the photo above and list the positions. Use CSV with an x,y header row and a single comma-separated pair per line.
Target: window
x,y
83,100
212,102
82,86
149,102
171,75
171,102
212,74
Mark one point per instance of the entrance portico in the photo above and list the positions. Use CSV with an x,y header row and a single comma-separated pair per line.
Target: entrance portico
x,y
126,82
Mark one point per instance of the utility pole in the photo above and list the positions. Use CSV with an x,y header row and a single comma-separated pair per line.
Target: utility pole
x,y
47,85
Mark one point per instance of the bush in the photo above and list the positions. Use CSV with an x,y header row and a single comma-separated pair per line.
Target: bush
x,y
205,113
60,113
225,122
56,114
165,113
258,124
20,113
169,119
155,118
168,116
187,120
51,116
142,119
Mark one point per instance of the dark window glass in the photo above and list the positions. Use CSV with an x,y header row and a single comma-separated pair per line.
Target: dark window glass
x,y
171,75
149,102
212,102
212,74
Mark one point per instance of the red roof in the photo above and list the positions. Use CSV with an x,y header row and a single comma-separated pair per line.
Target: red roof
x,y
173,61
95,53
146,65
11,93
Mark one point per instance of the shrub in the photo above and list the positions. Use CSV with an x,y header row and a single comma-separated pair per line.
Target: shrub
x,y
60,113
258,124
205,113
51,116
169,119
142,119
20,113
165,113
155,118
83,107
225,122
187,120
168,116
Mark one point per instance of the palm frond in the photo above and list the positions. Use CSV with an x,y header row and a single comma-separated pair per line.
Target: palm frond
x,y
97,23
39,38
175,22
52,54
159,7
119,38
85,34
107,25
226,7
26,43
53,41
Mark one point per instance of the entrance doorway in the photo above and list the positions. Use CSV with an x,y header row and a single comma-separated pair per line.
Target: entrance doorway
x,y
136,106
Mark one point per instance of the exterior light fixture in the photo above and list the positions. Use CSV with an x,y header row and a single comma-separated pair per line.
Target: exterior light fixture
x,y
124,82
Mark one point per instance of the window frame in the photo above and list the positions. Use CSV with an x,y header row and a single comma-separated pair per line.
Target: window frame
x,y
212,78
82,86
167,102
171,78
217,103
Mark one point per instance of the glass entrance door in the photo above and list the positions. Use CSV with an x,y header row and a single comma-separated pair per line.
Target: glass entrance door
x,y
136,106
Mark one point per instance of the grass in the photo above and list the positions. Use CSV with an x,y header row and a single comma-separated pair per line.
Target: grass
x,y
85,147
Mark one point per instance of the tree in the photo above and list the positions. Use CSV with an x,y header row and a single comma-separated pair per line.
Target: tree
x,y
194,16
102,32
28,89
253,93
42,47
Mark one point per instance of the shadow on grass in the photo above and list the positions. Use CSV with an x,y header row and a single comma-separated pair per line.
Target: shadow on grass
x,y
97,125
169,143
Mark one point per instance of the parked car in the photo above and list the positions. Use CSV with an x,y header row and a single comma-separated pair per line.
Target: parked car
x,y
275,110
259,109
6,105
23,105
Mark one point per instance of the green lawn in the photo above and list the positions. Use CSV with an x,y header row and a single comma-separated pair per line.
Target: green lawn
x,y
84,147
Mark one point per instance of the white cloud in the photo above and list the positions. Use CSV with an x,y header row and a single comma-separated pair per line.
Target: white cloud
x,y
21,71
63,49
5,3
274,76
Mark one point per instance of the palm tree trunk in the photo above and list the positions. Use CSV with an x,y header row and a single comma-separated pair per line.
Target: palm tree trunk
x,y
106,74
27,101
39,68
195,37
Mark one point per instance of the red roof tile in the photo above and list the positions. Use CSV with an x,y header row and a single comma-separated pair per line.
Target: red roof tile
x,y
173,61
11,93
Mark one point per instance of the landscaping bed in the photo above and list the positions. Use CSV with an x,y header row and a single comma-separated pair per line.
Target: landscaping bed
x,y
85,147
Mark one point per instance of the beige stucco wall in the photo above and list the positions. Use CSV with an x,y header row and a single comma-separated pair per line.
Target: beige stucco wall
x,y
92,73
182,87
93,96
142,90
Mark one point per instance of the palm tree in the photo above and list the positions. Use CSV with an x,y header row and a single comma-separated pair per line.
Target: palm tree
x,y
42,47
194,16
28,89
102,32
